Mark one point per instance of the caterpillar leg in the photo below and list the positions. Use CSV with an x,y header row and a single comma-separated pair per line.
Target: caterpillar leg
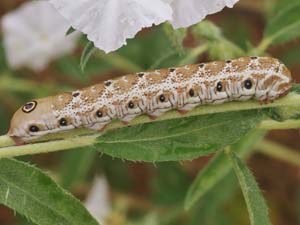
x,y
152,117
126,119
186,108
18,141
182,112
266,101
97,126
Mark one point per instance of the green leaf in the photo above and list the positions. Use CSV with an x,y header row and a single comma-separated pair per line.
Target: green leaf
x,y
178,139
219,46
169,178
70,174
33,194
296,88
285,26
176,37
218,167
165,57
256,205
89,49
207,30
70,31
218,196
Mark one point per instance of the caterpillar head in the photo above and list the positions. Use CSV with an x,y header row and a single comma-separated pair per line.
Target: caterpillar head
x,y
31,120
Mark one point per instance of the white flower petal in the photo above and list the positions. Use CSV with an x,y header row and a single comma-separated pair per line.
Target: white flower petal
x,y
108,23
34,34
189,12
97,201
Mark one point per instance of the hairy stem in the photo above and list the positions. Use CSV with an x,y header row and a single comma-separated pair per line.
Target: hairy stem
x,y
278,151
194,53
262,47
118,61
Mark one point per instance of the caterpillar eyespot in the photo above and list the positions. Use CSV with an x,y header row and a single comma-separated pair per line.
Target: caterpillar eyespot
x,y
29,106
153,93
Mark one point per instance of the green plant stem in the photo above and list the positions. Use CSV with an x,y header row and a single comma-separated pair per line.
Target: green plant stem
x,y
278,151
83,137
118,61
195,52
275,125
51,146
263,45
11,83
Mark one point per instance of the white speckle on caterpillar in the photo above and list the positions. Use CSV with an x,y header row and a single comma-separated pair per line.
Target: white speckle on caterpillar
x,y
153,93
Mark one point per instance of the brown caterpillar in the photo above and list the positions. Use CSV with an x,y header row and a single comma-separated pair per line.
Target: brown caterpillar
x,y
153,93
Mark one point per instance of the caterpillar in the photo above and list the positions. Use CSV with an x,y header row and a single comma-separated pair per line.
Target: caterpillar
x,y
153,93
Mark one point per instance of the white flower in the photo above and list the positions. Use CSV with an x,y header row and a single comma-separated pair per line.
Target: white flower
x,y
98,201
34,34
108,23
189,12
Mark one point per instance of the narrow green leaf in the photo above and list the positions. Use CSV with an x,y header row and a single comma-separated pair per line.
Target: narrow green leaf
x,y
83,159
207,30
166,56
178,139
219,46
218,168
89,49
256,205
285,26
207,178
70,31
213,202
176,37
33,194
224,49
296,88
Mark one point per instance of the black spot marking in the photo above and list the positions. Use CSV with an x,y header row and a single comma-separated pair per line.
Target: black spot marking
x,y
228,61
99,113
191,92
162,98
219,86
248,84
201,65
131,105
172,70
277,69
63,122
75,94
33,128
141,74
107,83
29,106
253,57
